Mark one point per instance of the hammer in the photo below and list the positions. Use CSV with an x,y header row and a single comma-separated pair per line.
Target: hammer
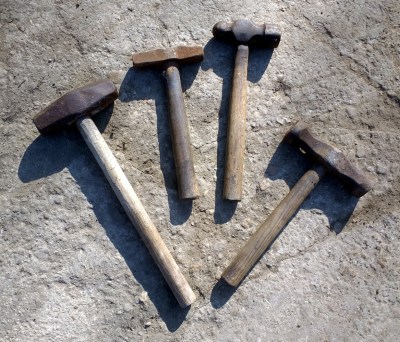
x,y
327,158
168,60
244,34
76,107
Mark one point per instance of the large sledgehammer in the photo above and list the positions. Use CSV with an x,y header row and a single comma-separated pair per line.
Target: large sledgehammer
x,y
76,107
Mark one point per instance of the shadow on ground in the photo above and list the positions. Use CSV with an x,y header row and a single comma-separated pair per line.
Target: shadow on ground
x,y
149,84
51,154
221,293
329,196
220,57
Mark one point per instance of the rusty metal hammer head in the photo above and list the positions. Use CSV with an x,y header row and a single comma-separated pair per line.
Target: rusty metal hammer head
x,y
244,32
331,158
160,57
87,100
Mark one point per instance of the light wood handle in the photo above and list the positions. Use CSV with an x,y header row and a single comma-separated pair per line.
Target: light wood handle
x,y
266,233
181,145
236,137
136,212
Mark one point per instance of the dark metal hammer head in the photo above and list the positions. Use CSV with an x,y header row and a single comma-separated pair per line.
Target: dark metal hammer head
x,y
160,57
330,157
243,31
87,100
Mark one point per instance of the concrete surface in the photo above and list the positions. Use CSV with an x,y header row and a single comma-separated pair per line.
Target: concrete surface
x,y
72,267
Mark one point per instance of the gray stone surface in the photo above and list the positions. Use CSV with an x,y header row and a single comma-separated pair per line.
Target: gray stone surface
x,y
72,267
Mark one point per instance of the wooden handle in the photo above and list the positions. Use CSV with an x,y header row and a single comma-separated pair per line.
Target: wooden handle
x,y
266,233
236,137
187,183
136,212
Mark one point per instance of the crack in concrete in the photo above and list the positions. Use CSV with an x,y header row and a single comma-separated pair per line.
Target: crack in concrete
x,y
306,250
363,72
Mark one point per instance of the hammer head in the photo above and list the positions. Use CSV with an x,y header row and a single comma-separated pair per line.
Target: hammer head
x,y
160,57
243,31
87,100
330,157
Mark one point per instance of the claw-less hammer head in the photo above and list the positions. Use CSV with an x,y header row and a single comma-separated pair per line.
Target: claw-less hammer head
x,y
244,32
331,158
87,100
160,57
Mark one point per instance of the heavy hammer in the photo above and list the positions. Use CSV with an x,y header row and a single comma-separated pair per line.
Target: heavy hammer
x,y
327,158
243,33
76,107
169,60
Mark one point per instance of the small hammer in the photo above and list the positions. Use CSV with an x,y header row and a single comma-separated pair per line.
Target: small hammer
x,y
244,34
327,158
76,107
168,59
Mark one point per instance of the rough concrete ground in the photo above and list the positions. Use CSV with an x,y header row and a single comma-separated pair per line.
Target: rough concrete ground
x,y
72,267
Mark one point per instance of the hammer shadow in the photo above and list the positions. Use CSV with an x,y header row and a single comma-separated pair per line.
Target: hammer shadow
x,y
51,154
149,84
221,293
329,196
220,57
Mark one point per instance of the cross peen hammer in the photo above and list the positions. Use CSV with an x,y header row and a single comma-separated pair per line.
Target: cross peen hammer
x,y
327,158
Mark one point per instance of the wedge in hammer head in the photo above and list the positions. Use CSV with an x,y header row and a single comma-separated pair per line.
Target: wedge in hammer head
x,y
327,159
331,158
244,34
76,107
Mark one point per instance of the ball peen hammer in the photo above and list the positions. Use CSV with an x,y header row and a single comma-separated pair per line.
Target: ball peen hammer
x,y
76,107
169,59
328,159
243,33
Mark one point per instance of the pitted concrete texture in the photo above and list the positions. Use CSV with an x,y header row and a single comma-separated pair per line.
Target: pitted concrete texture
x,y
72,267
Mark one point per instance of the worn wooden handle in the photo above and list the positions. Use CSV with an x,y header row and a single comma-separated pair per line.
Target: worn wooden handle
x,y
266,233
236,137
136,212
187,182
